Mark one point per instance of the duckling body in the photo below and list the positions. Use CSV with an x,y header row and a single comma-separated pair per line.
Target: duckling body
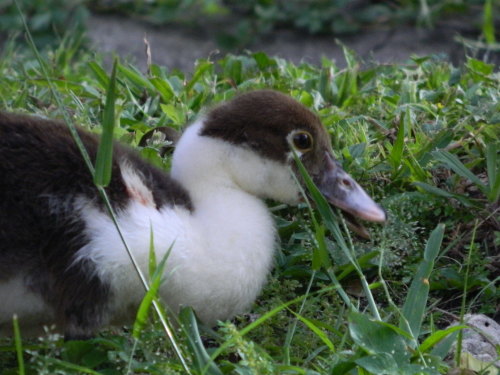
x,y
62,260
221,250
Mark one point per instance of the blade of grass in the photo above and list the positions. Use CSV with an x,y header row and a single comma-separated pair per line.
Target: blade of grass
x,y
72,366
317,331
457,166
152,253
322,205
136,77
320,253
320,231
364,259
100,74
201,358
396,153
492,165
293,327
332,225
131,356
416,300
437,337
488,22
417,172
443,193
164,88
464,295
19,345
151,295
493,285
201,67
104,158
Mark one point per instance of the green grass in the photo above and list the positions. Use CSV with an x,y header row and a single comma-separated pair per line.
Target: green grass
x,y
421,137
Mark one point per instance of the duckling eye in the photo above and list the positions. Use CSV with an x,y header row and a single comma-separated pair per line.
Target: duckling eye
x,y
302,141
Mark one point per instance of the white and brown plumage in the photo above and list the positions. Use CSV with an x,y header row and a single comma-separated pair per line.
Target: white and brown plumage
x,y
61,259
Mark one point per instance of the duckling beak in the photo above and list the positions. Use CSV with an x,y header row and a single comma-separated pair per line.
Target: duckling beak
x,y
342,191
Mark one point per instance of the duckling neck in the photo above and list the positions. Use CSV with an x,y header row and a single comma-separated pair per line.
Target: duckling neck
x,y
231,219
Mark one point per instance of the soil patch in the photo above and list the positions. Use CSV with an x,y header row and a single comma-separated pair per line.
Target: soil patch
x,y
179,47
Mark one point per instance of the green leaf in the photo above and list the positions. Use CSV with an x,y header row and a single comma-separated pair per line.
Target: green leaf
x,y
380,364
100,74
61,84
84,352
434,243
234,70
136,77
342,82
480,67
202,66
174,113
104,159
264,61
416,300
376,337
343,367
164,88
350,56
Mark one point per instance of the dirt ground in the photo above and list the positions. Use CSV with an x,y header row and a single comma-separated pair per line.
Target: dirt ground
x,y
177,47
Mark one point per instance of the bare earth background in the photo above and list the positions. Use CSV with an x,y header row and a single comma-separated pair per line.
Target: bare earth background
x,y
177,47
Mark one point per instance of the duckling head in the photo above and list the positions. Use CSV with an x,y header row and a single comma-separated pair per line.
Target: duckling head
x,y
249,143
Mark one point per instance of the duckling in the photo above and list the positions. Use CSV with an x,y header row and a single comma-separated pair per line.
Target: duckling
x,y
62,261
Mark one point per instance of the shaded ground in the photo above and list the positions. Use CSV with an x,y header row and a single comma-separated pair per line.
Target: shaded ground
x,y
177,47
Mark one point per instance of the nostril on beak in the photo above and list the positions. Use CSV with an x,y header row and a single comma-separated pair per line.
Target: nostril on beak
x,y
346,183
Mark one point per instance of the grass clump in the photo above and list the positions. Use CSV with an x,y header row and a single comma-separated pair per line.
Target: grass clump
x,y
421,137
